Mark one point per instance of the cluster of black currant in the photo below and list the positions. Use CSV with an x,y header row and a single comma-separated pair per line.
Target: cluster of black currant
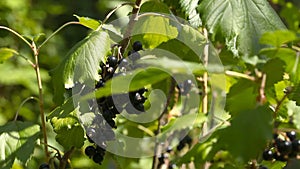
x,y
110,106
285,145
95,152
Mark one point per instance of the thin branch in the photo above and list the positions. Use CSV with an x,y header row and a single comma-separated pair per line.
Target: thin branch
x,y
28,60
17,34
21,105
262,96
241,75
41,100
54,33
115,9
132,21
160,118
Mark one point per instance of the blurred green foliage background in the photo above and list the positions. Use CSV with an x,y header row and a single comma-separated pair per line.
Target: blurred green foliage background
x,y
32,17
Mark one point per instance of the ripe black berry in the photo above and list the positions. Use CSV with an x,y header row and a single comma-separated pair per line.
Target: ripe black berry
x,y
284,147
90,151
296,146
112,61
137,46
98,158
262,167
99,84
268,155
44,166
291,135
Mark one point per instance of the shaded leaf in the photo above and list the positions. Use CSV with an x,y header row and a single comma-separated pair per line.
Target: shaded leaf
x,y
295,95
69,137
274,70
245,138
17,141
238,19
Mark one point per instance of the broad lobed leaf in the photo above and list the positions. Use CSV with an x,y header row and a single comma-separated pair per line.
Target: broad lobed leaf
x,y
240,22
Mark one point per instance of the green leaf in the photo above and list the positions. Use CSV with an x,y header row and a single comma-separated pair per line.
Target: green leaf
x,y
295,95
189,6
238,19
66,125
278,37
248,133
6,53
274,70
17,141
39,38
239,100
188,45
154,30
88,22
154,6
179,66
81,63
69,137
141,78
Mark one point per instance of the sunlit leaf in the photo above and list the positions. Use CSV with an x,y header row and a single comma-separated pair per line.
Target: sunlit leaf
x,y
189,7
6,53
240,22
277,38
17,141
88,22
81,63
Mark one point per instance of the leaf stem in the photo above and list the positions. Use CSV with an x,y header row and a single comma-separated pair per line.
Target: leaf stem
x,y
241,75
21,105
132,21
115,9
55,32
17,34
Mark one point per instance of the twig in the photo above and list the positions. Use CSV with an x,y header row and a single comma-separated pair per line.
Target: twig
x,y
132,21
54,33
21,105
65,158
241,75
160,118
205,89
41,99
115,9
262,96
17,34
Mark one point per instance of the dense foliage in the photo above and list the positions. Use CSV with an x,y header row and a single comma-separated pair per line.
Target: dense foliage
x,y
150,84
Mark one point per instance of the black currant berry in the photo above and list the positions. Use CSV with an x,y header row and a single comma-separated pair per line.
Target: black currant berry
x,y
112,61
44,166
98,158
99,84
296,146
262,167
90,151
169,149
180,146
187,85
100,150
291,135
137,46
268,155
284,147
